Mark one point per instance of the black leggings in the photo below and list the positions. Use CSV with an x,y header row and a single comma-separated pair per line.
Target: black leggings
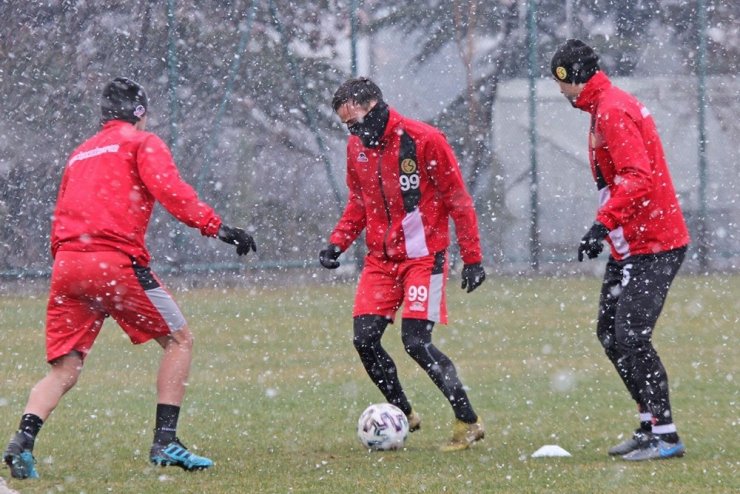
x,y
417,340
632,297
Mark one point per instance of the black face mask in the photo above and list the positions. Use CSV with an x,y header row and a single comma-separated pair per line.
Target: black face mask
x,y
371,128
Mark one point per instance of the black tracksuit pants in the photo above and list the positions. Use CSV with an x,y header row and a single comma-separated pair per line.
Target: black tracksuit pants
x,y
632,296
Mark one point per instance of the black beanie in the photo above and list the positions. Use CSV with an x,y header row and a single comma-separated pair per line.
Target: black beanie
x,y
123,99
574,62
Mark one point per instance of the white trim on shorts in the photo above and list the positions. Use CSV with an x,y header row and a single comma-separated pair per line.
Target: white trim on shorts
x,y
167,308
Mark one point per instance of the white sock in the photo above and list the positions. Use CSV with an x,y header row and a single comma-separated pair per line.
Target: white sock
x,y
664,429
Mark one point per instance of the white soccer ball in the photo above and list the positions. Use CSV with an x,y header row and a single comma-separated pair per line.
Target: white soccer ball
x,y
382,427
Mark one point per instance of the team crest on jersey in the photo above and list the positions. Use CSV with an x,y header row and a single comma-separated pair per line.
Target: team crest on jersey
x,y
408,166
362,157
417,307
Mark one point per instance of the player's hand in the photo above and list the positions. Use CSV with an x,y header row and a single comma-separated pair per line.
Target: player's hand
x,y
472,276
328,257
591,243
236,236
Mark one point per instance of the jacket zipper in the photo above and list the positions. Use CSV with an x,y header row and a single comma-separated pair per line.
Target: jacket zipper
x,y
385,204
599,179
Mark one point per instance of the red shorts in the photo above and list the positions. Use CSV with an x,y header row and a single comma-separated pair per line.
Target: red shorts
x,y
419,284
87,287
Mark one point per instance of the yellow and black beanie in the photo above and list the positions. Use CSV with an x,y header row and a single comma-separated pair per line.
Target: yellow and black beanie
x,y
574,62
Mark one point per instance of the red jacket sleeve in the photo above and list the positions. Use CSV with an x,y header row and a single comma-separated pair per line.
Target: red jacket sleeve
x,y
445,173
353,219
161,177
633,176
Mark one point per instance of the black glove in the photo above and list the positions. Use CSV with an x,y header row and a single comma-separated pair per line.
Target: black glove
x,y
236,236
591,241
328,257
472,276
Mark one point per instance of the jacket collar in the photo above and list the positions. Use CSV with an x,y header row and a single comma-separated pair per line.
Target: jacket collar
x,y
116,123
588,100
394,120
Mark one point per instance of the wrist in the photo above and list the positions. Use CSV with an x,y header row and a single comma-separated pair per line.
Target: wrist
x,y
471,260
212,228
600,230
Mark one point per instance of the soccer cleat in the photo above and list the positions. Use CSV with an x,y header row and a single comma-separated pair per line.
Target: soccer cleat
x,y
414,421
20,460
657,449
639,439
463,435
177,455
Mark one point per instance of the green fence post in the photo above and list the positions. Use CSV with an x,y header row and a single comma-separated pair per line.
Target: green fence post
x,y
534,234
701,19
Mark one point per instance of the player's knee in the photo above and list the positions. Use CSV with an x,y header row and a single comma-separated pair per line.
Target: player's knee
x,y
181,339
364,341
367,332
637,350
607,340
416,335
413,345
66,376
633,339
70,381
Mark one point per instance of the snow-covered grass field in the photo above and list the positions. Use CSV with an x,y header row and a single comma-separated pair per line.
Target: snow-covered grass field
x,y
277,388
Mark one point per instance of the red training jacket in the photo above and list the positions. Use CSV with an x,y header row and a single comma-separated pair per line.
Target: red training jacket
x,y
403,193
108,191
638,203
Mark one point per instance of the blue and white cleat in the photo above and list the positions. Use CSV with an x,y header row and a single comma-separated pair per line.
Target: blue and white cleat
x,y
639,439
21,462
175,454
657,449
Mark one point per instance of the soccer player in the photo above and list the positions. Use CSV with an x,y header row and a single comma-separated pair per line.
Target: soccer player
x,y
639,216
404,185
101,269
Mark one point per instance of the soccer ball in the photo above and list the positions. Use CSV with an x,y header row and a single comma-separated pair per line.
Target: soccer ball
x,y
382,427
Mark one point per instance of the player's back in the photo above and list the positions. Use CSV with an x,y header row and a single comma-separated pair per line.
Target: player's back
x,y
102,202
